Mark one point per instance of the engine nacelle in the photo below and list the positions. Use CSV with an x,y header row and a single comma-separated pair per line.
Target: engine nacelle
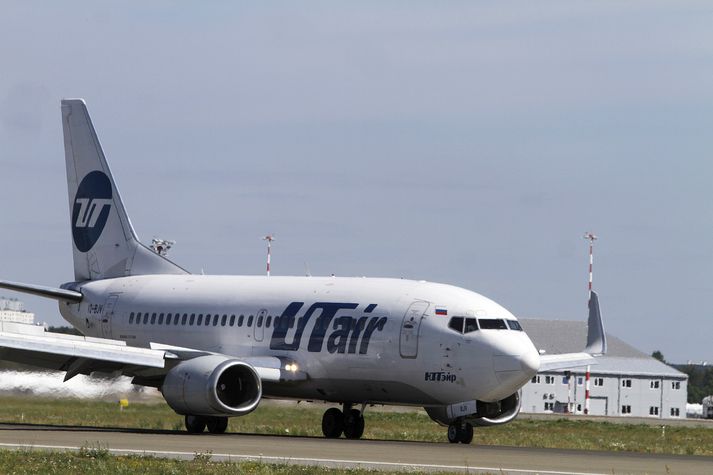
x,y
489,413
501,412
212,385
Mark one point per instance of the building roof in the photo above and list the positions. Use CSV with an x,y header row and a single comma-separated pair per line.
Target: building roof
x,y
567,336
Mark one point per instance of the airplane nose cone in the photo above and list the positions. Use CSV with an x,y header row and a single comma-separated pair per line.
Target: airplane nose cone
x,y
530,362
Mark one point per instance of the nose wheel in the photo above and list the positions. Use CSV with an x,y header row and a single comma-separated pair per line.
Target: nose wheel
x,y
460,432
349,422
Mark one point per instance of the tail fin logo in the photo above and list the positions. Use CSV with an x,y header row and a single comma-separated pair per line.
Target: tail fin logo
x,y
92,205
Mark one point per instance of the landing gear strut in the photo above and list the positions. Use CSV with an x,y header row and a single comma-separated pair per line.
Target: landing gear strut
x,y
348,421
197,424
460,432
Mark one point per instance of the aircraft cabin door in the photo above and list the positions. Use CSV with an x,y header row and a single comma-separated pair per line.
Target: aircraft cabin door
x,y
107,315
259,328
410,329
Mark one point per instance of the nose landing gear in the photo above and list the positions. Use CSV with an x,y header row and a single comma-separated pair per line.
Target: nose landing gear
x,y
460,431
348,421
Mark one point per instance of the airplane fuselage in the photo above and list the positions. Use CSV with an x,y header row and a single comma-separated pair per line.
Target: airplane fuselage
x,y
358,339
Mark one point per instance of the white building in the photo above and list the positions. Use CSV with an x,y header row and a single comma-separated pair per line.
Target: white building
x,y
626,382
12,310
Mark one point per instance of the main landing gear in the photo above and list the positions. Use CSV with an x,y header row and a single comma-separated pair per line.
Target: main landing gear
x,y
349,421
197,424
460,432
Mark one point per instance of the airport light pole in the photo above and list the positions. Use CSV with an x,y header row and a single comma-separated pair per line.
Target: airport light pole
x,y
269,238
591,238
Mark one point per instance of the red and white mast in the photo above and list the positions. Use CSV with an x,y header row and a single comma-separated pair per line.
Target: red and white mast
x,y
591,238
269,238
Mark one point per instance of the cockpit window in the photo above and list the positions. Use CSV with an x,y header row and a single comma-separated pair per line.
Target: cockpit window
x,y
456,323
514,325
492,324
471,325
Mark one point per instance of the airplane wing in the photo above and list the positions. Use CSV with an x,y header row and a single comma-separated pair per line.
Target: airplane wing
x,y
596,343
32,345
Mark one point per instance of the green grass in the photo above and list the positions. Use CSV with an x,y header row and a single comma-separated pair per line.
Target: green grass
x,y
306,421
97,461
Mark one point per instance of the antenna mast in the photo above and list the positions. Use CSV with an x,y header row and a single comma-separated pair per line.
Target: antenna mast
x,y
591,238
269,238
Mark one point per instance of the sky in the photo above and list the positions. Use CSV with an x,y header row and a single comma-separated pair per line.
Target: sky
x,y
464,142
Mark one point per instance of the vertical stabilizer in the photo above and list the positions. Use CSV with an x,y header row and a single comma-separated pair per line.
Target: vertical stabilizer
x,y
104,242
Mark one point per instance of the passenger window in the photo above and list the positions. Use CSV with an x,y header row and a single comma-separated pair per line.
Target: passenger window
x,y
259,321
153,318
146,318
456,323
514,325
250,321
471,325
240,321
183,320
192,319
200,319
492,324
138,318
277,322
131,317
160,318
223,320
268,322
232,320
215,319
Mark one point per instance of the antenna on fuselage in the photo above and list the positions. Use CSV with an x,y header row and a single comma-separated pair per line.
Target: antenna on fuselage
x,y
269,238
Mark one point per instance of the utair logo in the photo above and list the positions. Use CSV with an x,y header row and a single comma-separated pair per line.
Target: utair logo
x,y
349,335
92,205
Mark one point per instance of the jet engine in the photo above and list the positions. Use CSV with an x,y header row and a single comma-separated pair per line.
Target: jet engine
x,y
212,385
488,413
500,412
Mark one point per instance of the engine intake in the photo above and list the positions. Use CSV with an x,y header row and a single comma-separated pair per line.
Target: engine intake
x,y
212,385
489,413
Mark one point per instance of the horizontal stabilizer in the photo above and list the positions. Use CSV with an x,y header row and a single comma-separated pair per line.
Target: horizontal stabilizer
x,y
42,291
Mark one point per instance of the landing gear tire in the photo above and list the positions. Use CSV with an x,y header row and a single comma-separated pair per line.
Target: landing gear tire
x,y
332,423
353,424
195,424
462,433
217,425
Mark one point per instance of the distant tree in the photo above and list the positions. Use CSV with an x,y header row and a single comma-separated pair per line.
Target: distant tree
x,y
659,356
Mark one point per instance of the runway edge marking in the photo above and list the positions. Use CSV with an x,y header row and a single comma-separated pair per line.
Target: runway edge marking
x,y
303,460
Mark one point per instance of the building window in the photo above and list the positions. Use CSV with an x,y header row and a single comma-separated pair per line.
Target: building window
x,y
549,406
675,412
675,384
625,383
549,380
565,379
653,411
536,379
626,409
580,380
599,381
654,384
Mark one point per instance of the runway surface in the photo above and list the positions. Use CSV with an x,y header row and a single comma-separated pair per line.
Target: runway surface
x,y
379,454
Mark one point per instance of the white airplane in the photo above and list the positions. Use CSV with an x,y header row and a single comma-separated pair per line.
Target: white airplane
x,y
216,345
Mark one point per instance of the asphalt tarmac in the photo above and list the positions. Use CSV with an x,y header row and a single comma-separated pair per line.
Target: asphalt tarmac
x,y
375,454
